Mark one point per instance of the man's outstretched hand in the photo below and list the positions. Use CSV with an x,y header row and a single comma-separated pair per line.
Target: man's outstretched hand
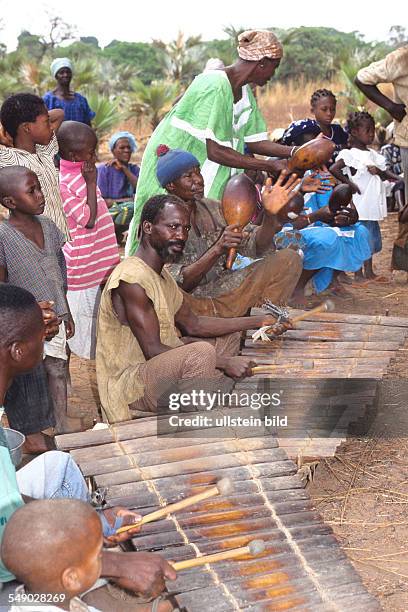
x,y
275,197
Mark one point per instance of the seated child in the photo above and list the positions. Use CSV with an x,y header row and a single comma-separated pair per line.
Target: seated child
x,y
323,106
54,547
92,252
31,257
324,227
365,170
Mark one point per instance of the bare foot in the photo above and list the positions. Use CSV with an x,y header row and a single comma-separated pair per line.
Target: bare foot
x,y
369,274
343,278
338,290
38,443
359,277
298,300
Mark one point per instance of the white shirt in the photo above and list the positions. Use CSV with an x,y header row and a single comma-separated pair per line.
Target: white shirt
x,y
372,203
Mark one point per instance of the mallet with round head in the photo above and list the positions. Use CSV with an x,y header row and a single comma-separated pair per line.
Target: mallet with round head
x,y
254,548
223,487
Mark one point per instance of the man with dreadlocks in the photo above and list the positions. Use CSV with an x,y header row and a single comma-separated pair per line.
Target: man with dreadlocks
x,y
214,120
139,353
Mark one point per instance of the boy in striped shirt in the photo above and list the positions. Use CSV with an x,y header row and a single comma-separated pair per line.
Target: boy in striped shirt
x,y
92,252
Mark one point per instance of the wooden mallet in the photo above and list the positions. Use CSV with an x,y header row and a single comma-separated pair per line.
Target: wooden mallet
x,y
223,487
326,306
256,547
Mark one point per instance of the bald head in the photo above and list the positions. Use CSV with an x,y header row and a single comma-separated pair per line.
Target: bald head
x,y
11,178
45,537
73,138
340,197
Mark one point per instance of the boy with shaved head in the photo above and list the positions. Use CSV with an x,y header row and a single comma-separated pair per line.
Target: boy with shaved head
x,y
31,257
92,252
67,536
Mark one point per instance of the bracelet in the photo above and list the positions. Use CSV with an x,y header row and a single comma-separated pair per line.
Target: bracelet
x,y
292,151
308,219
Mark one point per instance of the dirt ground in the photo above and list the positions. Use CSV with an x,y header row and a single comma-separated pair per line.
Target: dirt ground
x,y
363,491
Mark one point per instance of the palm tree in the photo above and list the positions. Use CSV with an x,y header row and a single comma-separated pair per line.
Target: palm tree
x,y
107,112
9,68
151,101
36,76
181,57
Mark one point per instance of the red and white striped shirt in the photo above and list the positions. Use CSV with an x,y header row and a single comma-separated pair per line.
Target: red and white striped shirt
x,y
92,253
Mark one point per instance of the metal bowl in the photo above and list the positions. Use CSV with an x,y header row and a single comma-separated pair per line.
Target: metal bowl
x,y
15,441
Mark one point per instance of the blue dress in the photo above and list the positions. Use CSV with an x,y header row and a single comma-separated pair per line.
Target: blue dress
x,y
344,248
324,248
76,109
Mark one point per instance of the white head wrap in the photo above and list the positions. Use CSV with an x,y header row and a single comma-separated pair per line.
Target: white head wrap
x,y
60,62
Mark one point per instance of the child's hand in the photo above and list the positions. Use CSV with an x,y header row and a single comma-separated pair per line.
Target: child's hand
x,y
373,170
128,518
343,218
354,188
89,172
51,321
69,328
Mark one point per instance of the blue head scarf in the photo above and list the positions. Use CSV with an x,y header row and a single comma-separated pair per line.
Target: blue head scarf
x,y
115,137
172,163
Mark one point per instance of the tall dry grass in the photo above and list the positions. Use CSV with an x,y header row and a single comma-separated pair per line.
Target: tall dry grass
x,y
282,103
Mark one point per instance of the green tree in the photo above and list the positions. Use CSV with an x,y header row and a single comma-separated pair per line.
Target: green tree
x,y
317,53
151,101
30,45
90,40
142,57
107,112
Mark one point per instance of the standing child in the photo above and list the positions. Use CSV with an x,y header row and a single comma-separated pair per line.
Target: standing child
x,y
365,170
92,253
30,128
31,257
